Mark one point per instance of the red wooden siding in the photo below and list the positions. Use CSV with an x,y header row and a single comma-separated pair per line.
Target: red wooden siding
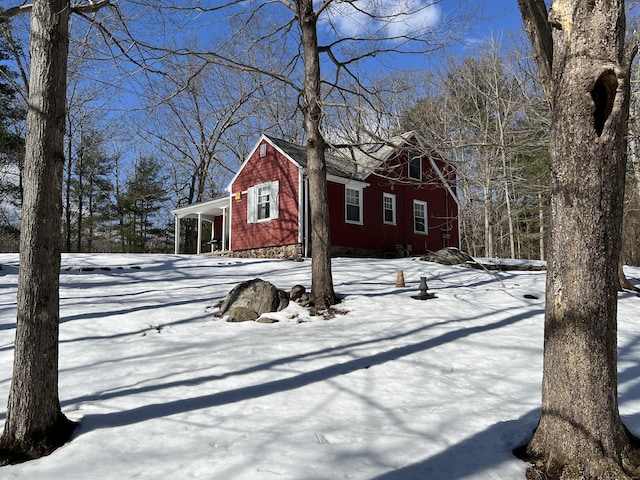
x,y
374,234
281,231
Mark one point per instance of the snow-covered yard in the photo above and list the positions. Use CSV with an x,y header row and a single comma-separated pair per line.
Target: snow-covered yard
x,y
395,388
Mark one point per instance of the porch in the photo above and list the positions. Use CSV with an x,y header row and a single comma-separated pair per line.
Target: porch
x,y
206,212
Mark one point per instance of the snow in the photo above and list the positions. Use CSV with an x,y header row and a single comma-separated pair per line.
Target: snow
x,y
393,388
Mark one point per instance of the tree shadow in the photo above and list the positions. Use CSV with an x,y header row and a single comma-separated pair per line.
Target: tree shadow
x,y
158,410
481,452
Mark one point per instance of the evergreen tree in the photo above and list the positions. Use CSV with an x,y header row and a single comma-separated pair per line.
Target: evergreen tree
x,y
90,190
138,207
12,116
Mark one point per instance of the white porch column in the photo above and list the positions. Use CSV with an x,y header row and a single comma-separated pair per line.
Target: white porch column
x,y
224,233
177,235
199,247
213,234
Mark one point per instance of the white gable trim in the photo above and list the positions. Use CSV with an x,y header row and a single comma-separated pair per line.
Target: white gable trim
x,y
347,181
444,181
262,138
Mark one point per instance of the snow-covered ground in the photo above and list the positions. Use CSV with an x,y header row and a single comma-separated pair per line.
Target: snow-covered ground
x,y
393,389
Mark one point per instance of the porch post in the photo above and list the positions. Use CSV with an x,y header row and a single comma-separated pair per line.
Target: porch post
x,y
213,234
199,247
177,235
223,242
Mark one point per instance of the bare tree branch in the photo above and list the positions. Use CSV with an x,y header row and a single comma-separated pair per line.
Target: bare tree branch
x,y
538,27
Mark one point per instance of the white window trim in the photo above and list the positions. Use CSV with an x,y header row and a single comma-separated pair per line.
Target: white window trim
x,y
392,197
268,199
411,158
426,217
360,191
252,202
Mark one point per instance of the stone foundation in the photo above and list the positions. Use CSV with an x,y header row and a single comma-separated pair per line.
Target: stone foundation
x,y
287,252
294,252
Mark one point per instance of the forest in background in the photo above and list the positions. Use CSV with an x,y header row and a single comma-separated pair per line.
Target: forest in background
x,y
153,125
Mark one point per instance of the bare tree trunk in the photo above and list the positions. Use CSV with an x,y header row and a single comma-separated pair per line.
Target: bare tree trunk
x,y
488,234
580,434
35,425
80,196
67,209
541,227
321,277
507,198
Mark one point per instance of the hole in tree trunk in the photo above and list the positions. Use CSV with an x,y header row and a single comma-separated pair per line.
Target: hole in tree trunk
x,y
603,93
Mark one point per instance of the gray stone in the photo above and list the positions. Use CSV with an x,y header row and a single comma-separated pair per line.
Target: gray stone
x,y
267,320
305,300
296,292
242,314
257,296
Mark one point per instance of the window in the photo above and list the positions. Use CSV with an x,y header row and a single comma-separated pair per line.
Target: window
x,y
263,150
420,217
389,208
262,202
353,205
415,168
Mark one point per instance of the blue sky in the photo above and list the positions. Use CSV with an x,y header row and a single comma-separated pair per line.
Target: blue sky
x,y
498,17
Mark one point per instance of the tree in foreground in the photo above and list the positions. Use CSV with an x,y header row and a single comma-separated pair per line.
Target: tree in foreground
x,y
585,66
35,424
321,47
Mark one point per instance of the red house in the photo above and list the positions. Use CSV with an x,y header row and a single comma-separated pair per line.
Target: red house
x,y
397,198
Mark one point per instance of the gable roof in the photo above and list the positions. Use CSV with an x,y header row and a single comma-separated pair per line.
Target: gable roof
x,y
352,163
337,165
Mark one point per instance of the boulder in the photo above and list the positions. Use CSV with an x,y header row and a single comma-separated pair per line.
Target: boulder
x,y
257,296
296,292
242,314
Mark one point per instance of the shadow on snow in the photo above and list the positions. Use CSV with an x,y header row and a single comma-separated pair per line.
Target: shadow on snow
x,y
148,412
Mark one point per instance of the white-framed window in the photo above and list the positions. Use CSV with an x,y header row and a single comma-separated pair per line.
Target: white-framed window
x,y
415,167
389,208
353,205
262,202
420,217
263,150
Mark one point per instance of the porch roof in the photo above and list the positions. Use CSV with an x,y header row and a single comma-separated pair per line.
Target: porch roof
x,y
207,210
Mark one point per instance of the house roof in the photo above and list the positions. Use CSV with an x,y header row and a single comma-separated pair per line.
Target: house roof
x,y
351,163
357,163
338,165
207,210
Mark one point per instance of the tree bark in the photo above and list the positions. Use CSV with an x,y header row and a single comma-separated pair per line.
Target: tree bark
x,y
322,291
35,425
580,433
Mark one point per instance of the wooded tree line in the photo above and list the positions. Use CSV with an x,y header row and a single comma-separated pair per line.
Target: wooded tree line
x,y
485,113
198,119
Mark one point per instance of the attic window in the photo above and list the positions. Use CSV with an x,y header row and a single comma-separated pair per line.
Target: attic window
x,y
415,168
263,150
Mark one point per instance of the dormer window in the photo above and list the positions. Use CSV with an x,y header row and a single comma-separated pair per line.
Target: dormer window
x,y
415,168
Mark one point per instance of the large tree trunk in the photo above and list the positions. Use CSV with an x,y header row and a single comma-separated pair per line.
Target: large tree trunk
x,y
321,277
580,434
35,425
